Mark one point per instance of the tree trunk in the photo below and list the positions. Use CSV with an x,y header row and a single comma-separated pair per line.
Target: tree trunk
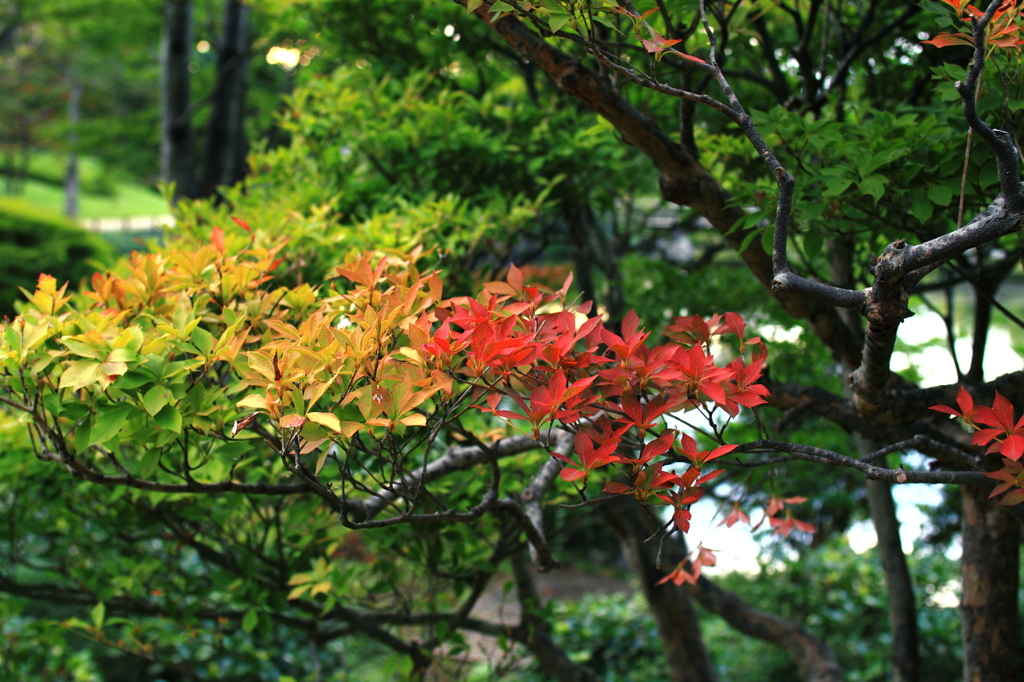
x,y
535,632
988,605
225,136
71,179
898,584
177,162
677,619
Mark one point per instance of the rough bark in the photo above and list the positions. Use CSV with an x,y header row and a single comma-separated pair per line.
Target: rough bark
x,y
225,137
988,605
677,619
898,584
177,162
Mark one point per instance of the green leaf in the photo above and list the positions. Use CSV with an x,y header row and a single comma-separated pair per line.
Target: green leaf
x,y
875,186
813,242
748,240
107,424
940,195
814,211
767,236
98,613
156,399
82,436
836,186
168,419
149,463
250,620
132,379
53,404
502,7
557,21
921,209
203,340
472,5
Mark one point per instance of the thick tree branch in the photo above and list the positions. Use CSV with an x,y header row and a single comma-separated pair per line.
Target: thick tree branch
x,y
813,656
822,456
682,180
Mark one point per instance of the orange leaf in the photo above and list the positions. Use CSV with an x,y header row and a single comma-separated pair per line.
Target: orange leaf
x,y
242,224
217,239
949,39
292,421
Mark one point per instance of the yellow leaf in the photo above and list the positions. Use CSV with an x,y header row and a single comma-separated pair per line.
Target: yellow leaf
x,y
255,401
412,354
80,374
348,429
325,419
261,363
300,578
298,591
413,420
321,588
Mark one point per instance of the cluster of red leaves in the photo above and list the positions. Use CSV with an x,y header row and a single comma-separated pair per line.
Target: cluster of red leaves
x,y
1003,31
541,362
1004,436
689,569
787,524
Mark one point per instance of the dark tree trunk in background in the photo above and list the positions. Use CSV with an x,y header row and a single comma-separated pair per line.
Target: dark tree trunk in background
x,y
898,584
988,604
674,612
177,157
225,136
71,179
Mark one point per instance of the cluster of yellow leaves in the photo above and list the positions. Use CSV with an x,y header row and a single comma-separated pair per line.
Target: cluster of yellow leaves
x,y
353,355
329,360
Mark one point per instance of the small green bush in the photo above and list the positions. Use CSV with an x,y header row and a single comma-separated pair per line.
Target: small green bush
x,y
34,241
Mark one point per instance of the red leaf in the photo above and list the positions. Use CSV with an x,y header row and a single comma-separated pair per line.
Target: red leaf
x,y
515,278
691,57
735,516
1012,447
682,520
568,474
949,40
616,488
1013,497
217,239
242,224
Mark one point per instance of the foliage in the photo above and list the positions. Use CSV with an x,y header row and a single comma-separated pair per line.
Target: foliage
x,y
339,414
836,589
34,241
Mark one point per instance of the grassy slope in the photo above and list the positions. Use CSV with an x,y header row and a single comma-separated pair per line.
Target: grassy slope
x,y
130,200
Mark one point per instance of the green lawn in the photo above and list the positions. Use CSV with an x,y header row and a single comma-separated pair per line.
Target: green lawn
x,y
129,200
